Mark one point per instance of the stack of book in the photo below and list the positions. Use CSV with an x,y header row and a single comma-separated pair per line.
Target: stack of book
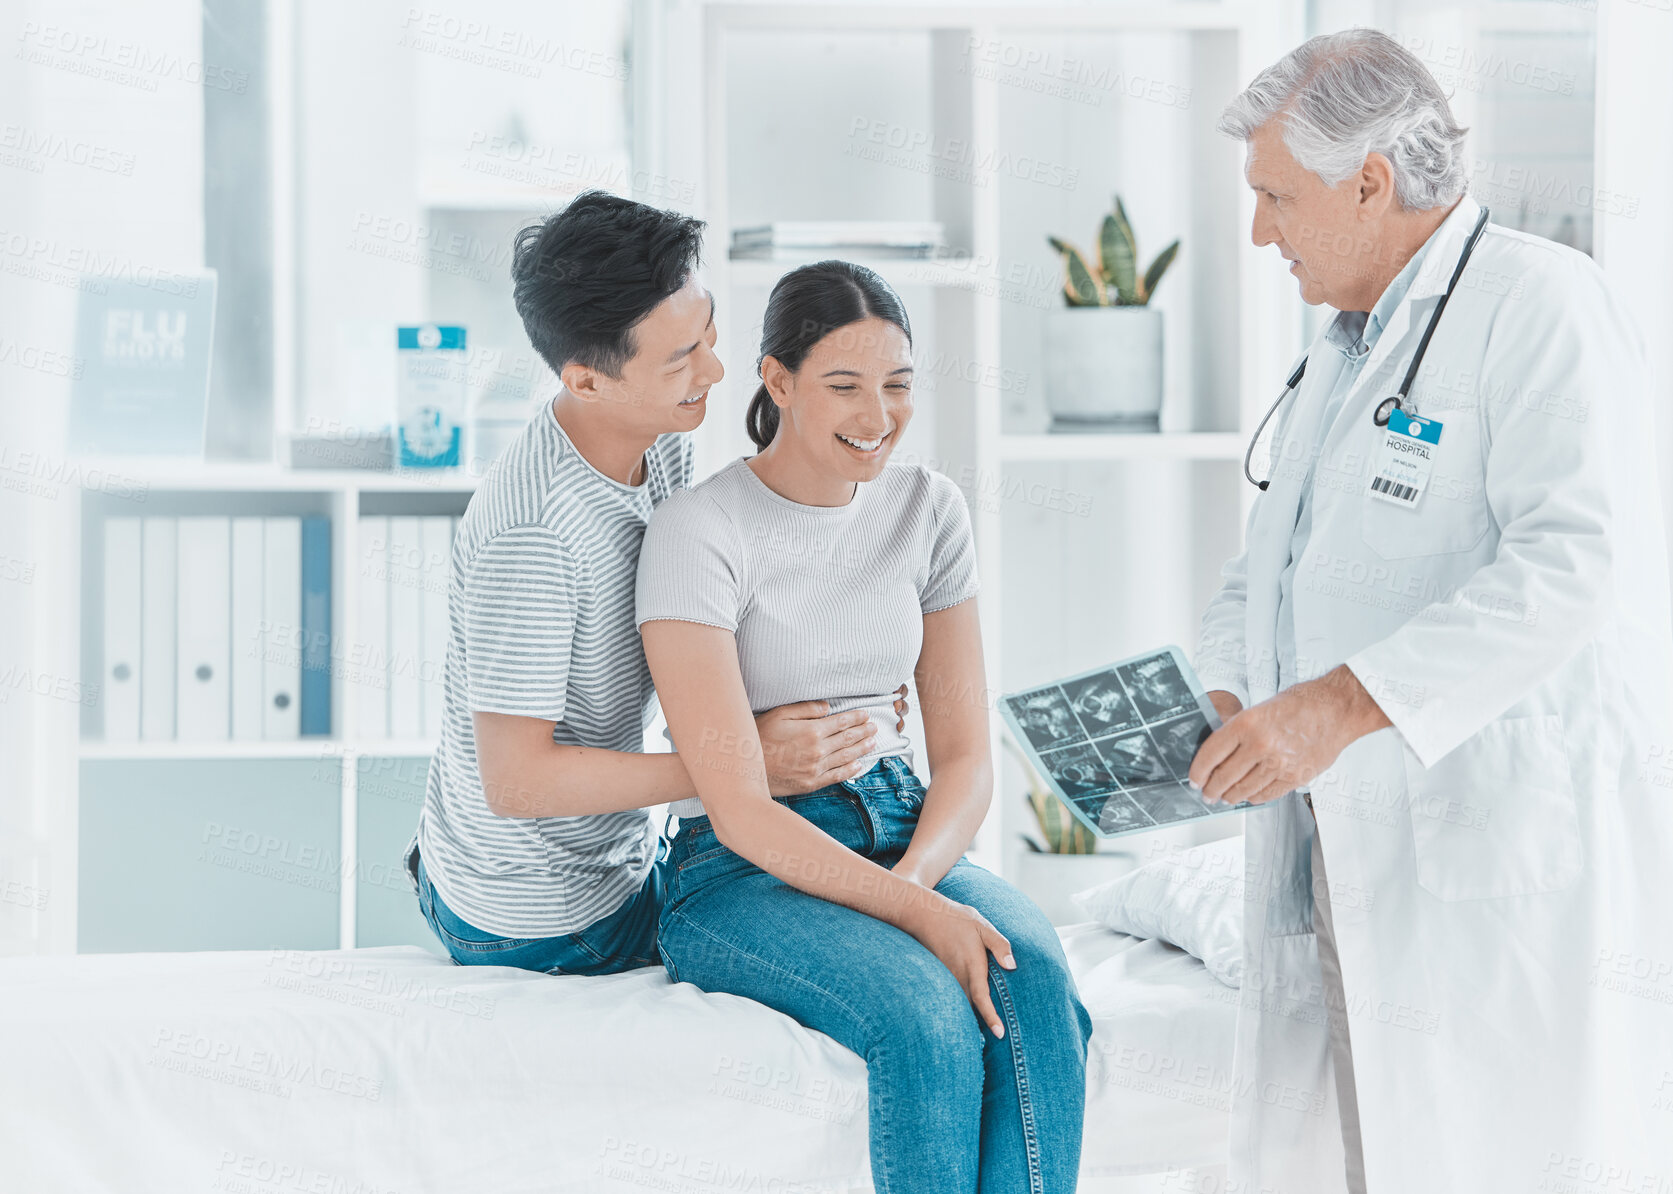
x,y
795,240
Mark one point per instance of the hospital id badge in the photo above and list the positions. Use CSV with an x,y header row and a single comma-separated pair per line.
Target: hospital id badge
x,y
1401,468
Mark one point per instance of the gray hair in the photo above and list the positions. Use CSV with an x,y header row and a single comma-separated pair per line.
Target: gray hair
x,y
1345,95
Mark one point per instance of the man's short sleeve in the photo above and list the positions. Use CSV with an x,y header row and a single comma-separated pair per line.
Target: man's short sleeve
x,y
518,622
690,564
952,559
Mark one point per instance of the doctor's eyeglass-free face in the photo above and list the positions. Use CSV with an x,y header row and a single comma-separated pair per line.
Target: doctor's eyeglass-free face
x,y
1393,402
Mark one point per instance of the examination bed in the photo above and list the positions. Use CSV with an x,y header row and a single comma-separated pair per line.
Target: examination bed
x,y
375,1071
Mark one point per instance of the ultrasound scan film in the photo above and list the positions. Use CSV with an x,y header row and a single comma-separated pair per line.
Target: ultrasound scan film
x,y
1134,760
1118,814
1080,771
1116,743
1158,687
1044,718
1102,704
1164,803
1177,742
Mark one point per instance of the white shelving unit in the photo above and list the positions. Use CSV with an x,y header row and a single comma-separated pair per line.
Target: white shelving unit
x,y
197,487
963,299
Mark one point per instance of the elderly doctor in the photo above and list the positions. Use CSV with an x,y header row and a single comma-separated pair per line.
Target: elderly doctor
x,y
1444,662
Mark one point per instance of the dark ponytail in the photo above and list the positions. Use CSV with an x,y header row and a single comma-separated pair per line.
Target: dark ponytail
x,y
761,419
808,304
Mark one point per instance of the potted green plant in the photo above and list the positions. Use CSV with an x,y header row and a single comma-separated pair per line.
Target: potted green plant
x,y
1104,345
1066,859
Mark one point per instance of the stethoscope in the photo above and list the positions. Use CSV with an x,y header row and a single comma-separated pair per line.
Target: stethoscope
x,y
1394,402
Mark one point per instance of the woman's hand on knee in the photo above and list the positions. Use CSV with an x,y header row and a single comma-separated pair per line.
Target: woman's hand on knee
x,y
962,939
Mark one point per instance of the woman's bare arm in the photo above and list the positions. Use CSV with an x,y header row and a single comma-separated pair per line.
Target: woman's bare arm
x,y
953,699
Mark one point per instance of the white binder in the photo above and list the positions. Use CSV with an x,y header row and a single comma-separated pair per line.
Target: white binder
x,y
204,601
123,591
368,671
246,639
436,533
157,611
281,615
406,647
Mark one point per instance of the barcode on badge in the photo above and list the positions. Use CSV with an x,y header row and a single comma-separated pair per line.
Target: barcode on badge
x,y
1394,490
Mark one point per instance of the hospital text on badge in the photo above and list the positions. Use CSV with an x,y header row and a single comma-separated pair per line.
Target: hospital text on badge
x,y
1401,469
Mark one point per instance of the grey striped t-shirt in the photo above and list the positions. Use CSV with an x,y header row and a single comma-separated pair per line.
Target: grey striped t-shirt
x,y
540,606
826,602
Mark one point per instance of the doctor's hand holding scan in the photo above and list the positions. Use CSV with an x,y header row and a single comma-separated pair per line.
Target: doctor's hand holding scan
x,y
1285,741
1443,661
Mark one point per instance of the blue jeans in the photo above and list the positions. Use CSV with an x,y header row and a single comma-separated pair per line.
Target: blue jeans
x,y
953,1109
624,940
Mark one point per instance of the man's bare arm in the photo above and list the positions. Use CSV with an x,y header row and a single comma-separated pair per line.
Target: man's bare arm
x,y
526,774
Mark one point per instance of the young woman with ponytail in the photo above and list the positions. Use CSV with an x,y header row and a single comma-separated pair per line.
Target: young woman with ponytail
x,y
815,567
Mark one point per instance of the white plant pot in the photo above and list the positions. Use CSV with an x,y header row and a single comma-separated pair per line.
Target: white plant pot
x,y
1104,368
1050,879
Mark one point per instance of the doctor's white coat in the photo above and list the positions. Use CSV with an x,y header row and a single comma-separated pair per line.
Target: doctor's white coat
x,y
1500,861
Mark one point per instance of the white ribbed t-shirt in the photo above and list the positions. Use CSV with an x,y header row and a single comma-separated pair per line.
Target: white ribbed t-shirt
x,y
826,602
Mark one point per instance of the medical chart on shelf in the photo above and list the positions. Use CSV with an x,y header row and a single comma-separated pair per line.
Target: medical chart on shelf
x,y
1115,743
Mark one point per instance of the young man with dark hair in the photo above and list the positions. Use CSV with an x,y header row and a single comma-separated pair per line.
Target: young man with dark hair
x,y
534,848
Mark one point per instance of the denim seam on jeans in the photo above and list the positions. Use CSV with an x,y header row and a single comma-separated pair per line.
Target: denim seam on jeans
x,y
1019,1065
578,942
711,852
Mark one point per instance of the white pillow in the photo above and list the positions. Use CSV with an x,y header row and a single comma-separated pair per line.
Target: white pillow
x,y
1191,898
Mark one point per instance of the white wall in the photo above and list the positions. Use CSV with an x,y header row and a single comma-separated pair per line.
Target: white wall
x,y
72,87
1635,237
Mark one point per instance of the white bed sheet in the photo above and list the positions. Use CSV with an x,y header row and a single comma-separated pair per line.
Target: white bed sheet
x,y
1158,1070
377,1071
